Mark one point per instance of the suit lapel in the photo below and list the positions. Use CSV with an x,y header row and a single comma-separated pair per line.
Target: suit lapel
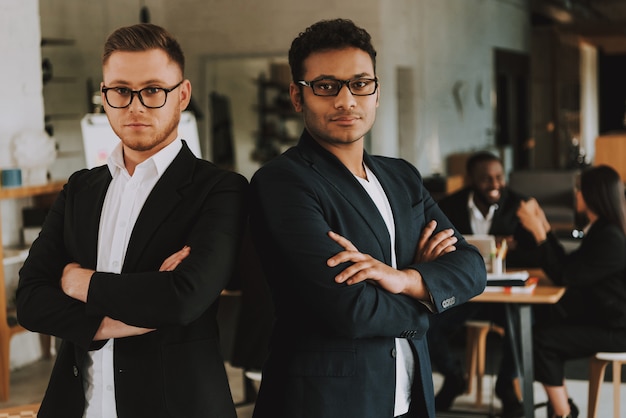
x,y
88,204
344,182
398,200
163,198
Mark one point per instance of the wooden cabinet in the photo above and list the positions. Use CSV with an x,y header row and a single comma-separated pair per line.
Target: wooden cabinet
x,y
11,256
611,150
8,320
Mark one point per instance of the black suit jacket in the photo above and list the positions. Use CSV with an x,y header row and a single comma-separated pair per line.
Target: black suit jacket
x,y
594,274
177,370
505,223
332,350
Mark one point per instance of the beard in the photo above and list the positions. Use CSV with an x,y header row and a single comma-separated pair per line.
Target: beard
x,y
142,142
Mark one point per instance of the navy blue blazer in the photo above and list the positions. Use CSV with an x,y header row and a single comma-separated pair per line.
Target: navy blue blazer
x,y
178,369
332,348
505,223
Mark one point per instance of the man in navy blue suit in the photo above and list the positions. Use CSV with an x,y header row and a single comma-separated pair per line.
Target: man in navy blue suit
x,y
357,254
485,206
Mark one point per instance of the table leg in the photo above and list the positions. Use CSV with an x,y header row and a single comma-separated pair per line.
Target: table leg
x,y
526,332
519,326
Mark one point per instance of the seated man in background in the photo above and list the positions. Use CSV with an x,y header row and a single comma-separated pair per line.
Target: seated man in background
x,y
484,206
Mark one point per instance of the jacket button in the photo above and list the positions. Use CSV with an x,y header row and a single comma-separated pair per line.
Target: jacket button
x,y
393,352
75,370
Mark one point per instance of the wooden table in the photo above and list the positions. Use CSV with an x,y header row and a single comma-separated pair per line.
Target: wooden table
x,y
519,328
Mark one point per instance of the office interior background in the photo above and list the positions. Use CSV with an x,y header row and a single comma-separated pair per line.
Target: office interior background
x,y
535,81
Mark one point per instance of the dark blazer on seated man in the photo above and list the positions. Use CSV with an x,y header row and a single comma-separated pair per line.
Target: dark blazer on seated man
x,y
485,206
505,223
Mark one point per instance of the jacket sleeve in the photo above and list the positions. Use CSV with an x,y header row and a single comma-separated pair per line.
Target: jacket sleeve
x,y
41,304
600,255
290,218
209,217
210,220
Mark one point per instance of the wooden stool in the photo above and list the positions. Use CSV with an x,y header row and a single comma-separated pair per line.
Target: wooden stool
x,y
476,347
596,377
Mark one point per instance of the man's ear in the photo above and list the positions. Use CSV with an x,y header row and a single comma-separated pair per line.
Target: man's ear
x,y
295,92
185,94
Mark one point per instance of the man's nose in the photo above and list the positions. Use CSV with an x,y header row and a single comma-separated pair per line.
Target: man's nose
x,y
345,98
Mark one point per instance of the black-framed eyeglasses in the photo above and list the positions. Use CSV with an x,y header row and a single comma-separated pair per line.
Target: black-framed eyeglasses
x,y
331,87
150,97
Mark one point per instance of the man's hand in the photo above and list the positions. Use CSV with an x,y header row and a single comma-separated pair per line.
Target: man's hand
x,y
366,267
432,247
112,328
175,259
533,218
75,281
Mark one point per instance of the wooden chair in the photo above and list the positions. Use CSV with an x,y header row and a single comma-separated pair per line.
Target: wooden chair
x,y
476,348
8,328
597,368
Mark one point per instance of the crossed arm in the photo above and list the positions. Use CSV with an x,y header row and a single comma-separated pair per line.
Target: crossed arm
x,y
407,281
75,283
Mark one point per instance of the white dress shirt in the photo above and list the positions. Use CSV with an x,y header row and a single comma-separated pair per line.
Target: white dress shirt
x,y
405,363
480,224
125,197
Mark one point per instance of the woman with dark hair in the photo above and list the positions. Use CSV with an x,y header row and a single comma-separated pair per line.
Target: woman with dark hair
x,y
591,316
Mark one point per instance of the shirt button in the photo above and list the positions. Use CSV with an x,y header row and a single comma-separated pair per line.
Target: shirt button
x,y
115,263
109,387
393,352
75,371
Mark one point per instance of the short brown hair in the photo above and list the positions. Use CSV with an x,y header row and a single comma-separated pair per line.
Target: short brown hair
x,y
143,37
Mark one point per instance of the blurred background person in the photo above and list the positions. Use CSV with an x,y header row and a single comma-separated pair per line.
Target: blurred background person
x,y
591,315
486,206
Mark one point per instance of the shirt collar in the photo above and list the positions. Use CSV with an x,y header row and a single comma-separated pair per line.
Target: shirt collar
x,y
472,207
161,160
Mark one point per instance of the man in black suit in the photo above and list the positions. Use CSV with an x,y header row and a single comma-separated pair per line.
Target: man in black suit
x,y
485,206
338,233
133,255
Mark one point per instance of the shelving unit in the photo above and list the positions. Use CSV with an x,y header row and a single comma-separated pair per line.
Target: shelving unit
x,y
11,256
67,97
275,110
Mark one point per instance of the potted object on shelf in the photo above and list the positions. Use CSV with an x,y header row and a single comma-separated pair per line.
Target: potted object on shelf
x,y
34,152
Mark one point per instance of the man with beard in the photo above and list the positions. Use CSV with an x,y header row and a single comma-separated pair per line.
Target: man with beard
x,y
133,255
485,206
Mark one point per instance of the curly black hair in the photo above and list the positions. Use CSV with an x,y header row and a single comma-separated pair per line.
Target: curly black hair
x,y
328,35
478,158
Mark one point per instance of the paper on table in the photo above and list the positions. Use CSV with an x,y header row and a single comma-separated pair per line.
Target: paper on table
x,y
528,287
516,278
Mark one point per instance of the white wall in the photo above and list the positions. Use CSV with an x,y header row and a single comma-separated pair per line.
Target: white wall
x,y
448,44
21,108
443,42
21,104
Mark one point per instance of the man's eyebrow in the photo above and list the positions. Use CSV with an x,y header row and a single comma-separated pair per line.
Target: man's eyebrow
x,y
332,77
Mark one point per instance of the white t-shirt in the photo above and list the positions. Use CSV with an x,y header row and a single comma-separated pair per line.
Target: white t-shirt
x,y
405,363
